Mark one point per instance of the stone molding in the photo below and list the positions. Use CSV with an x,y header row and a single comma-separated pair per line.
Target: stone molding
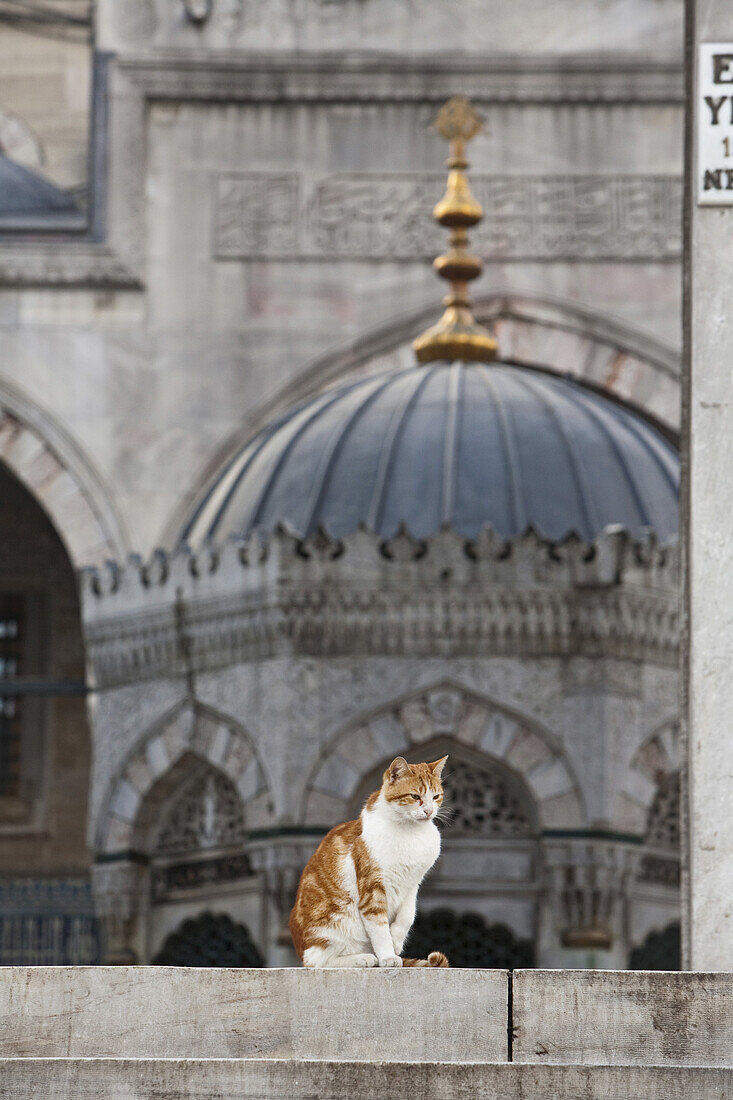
x,y
445,718
362,595
69,263
126,817
261,77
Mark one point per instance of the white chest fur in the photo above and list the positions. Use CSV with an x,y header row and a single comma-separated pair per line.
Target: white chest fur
x,y
404,852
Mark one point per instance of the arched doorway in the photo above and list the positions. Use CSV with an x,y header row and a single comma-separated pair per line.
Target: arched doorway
x,y
46,908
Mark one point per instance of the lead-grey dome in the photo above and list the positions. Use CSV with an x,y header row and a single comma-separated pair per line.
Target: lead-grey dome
x,y
23,192
457,444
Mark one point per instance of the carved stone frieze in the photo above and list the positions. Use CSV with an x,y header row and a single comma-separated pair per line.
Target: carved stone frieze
x,y
615,597
388,217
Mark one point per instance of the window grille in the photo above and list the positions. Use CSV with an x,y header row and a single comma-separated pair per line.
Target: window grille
x,y
207,814
663,822
209,940
481,803
468,941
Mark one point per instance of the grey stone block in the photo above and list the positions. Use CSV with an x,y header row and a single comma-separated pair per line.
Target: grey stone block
x,y
262,1079
181,1012
597,1017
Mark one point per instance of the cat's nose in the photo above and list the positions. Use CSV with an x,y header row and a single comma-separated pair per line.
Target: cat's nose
x,y
428,813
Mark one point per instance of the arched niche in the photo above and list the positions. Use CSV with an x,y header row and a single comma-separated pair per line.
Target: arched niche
x,y
162,759
483,799
446,715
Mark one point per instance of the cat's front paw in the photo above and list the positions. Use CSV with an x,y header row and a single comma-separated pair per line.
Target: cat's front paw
x,y
390,960
365,960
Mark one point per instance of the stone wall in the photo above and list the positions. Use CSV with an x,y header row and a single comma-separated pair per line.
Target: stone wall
x,y
269,175
223,1033
296,669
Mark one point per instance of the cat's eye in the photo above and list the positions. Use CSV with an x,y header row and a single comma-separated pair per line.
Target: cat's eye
x,y
415,796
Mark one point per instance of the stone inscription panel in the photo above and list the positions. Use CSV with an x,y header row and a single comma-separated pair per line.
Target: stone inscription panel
x,y
260,216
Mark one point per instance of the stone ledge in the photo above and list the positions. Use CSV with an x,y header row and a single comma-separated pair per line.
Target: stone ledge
x,y
180,1012
261,1079
592,1017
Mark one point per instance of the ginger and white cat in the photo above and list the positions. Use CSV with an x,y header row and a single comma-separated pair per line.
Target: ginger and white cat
x,y
356,899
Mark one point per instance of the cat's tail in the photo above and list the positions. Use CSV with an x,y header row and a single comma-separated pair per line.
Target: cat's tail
x,y
435,958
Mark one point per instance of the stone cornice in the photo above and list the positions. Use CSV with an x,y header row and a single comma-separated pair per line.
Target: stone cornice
x,y
364,596
182,75
53,261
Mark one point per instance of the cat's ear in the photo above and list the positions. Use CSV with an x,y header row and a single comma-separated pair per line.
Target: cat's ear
x,y
437,766
398,769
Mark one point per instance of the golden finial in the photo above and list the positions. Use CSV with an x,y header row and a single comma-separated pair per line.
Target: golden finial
x,y
457,335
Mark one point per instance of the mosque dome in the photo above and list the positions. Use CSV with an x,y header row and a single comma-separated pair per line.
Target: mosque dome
x,y
23,192
460,440
457,444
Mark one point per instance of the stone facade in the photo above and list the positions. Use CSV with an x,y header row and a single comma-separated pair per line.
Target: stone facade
x,y
295,670
261,181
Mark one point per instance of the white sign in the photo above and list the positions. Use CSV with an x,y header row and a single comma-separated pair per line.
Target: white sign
x,y
715,124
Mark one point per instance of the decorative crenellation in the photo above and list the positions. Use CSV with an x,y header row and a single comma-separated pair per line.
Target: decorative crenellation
x,y
363,594
388,216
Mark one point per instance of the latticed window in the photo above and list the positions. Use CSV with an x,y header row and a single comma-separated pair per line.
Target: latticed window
x,y
482,803
468,941
207,814
663,823
12,642
209,940
659,951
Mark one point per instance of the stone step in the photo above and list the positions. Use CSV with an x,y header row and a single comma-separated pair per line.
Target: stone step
x,y
622,1017
180,1012
236,1079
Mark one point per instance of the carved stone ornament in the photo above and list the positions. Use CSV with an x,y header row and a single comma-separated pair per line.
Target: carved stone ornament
x,y
198,11
358,595
207,814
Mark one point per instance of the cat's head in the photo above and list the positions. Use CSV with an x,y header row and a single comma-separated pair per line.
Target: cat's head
x,y
414,791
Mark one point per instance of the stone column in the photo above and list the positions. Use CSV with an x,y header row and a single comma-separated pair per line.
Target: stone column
x,y
708,493
121,899
280,862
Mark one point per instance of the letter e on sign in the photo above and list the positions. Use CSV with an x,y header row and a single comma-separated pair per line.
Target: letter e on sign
x,y
714,121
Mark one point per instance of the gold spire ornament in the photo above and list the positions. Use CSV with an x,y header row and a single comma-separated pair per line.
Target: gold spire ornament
x,y
457,335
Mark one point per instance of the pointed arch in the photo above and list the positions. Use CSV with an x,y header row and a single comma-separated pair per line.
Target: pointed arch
x,y
47,461
155,766
444,713
656,758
